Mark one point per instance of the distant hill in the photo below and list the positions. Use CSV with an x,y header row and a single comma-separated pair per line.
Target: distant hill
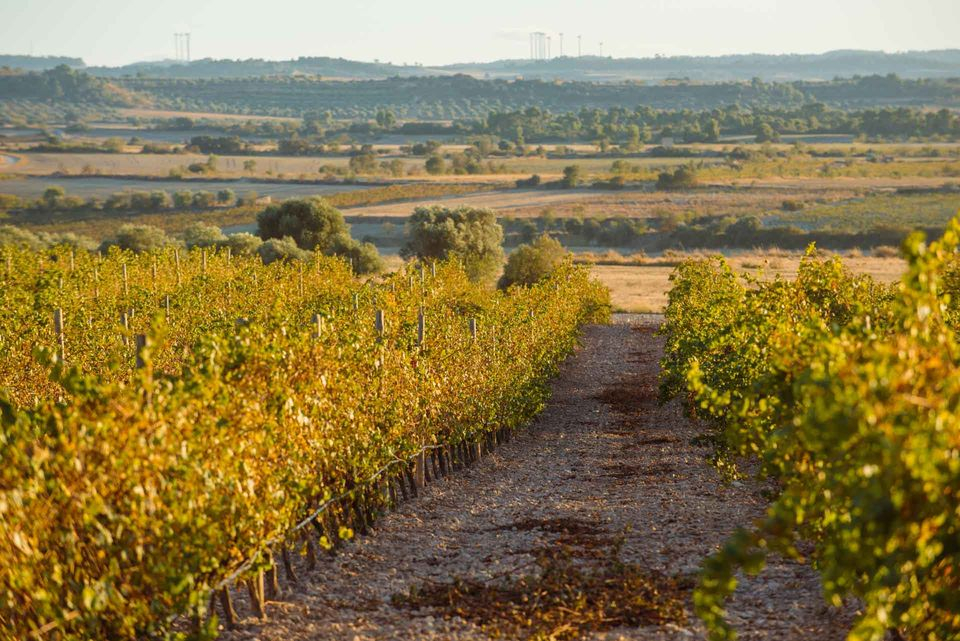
x,y
64,85
338,68
826,66
39,63
788,67
845,63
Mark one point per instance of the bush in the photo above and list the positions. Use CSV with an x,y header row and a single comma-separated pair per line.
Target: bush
x,y
14,236
282,249
681,178
471,235
202,235
532,181
435,165
529,264
572,175
140,238
242,244
311,222
314,224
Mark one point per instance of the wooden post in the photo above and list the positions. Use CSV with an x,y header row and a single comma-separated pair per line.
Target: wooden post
x,y
229,254
423,273
421,327
318,325
356,301
73,260
126,326
301,279
58,332
380,323
203,260
141,345
60,282
126,282
176,260
473,328
96,282
433,270
154,273
166,308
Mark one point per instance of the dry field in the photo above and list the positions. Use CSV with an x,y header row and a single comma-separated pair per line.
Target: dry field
x,y
643,288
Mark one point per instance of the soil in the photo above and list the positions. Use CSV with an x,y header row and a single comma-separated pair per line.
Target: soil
x,y
591,523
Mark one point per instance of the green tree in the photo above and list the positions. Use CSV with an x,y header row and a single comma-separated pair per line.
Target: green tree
x,y
471,235
202,235
435,165
284,249
529,264
314,224
572,175
140,238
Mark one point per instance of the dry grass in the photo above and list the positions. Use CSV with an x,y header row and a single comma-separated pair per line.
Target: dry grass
x,y
643,287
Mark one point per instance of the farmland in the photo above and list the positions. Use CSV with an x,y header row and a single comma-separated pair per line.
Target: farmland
x,y
320,349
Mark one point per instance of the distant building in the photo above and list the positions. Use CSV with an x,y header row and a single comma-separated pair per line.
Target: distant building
x,y
667,142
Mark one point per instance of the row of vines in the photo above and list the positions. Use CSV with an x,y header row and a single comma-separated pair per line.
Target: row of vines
x,y
848,393
188,410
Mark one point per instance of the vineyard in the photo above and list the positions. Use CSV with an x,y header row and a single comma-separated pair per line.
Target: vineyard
x,y
174,424
847,392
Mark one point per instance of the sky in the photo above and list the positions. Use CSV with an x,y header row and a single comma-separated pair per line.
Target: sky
x,y
432,32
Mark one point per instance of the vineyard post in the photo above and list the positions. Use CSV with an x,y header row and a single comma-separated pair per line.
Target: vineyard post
x,y
166,308
126,327
96,282
356,301
154,273
433,269
9,265
58,332
141,340
203,260
421,327
379,324
73,260
473,328
126,282
176,260
229,255
60,283
318,325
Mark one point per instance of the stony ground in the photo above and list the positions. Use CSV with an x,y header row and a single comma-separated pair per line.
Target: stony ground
x,y
605,477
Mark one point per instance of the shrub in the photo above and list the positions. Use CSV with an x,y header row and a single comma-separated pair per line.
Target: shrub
x,y
529,264
242,244
202,235
572,175
10,235
140,238
281,249
471,235
681,178
314,224
435,165
532,181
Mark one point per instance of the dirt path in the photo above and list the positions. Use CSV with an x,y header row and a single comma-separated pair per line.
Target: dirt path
x,y
604,474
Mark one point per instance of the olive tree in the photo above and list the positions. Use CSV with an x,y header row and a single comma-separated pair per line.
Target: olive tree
x,y
471,235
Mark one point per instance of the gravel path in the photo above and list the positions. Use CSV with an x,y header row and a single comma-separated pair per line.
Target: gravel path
x,y
604,469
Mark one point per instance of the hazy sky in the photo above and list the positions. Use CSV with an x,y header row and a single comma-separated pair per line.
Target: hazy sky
x,y
434,32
